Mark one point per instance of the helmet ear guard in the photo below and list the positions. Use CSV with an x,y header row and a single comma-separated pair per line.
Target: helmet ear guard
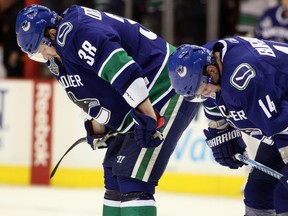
x,y
185,68
31,24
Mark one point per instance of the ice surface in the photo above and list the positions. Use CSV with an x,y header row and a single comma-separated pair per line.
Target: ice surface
x,y
51,201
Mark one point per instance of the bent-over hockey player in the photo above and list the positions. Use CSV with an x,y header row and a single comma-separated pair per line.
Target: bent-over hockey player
x,y
242,83
116,71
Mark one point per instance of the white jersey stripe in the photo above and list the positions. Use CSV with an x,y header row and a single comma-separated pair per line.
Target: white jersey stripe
x,y
121,70
161,68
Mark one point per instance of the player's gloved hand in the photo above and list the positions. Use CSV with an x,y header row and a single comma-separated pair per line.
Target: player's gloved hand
x,y
225,143
284,179
146,129
98,141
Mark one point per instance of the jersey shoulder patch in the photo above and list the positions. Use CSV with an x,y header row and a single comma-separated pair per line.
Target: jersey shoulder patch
x,y
242,75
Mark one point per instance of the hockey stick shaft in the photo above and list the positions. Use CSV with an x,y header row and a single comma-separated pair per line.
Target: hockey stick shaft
x,y
81,140
100,143
258,166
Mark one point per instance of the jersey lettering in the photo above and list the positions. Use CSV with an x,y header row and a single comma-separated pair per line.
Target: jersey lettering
x,y
87,52
223,111
283,49
238,116
261,47
92,13
120,19
150,35
70,81
235,115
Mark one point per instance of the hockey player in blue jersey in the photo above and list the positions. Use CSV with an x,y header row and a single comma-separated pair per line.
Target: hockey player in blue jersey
x,y
116,71
273,23
242,83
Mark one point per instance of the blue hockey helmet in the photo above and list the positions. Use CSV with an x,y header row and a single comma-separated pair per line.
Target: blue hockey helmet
x,y
186,66
31,23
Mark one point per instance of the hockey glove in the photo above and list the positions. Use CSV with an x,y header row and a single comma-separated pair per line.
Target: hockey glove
x,y
146,129
98,141
225,144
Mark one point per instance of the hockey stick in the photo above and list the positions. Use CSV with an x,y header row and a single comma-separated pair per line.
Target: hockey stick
x,y
258,166
97,143
81,140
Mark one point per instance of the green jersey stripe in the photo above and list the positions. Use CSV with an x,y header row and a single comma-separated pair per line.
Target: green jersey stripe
x,y
108,58
115,63
212,111
144,163
161,83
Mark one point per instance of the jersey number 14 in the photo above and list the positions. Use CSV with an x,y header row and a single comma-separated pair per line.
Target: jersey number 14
x,y
269,108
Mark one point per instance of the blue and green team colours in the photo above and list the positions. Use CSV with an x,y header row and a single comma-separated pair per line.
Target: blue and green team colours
x,y
118,62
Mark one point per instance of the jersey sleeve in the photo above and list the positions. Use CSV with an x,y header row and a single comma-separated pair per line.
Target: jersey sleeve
x,y
121,71
211,110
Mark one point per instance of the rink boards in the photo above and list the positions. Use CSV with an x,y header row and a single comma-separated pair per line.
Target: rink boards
x,y
38,123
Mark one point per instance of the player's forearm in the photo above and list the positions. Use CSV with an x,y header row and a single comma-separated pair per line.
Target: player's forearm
x,y
146,108
97,128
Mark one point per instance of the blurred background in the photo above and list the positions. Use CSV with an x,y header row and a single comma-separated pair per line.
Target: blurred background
x,y
177,21
38,123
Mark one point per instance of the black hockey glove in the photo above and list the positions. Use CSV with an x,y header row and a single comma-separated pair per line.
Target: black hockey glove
x,y
96,141
225,143
146,129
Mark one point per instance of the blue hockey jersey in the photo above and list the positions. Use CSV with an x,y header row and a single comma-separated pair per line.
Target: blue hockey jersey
x,y
254,85
272,25
103,57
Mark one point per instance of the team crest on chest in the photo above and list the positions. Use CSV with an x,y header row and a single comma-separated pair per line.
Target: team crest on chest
x,y
63,32
242,76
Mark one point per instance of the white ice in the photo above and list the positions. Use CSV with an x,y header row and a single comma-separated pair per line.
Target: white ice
x,y
51,201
